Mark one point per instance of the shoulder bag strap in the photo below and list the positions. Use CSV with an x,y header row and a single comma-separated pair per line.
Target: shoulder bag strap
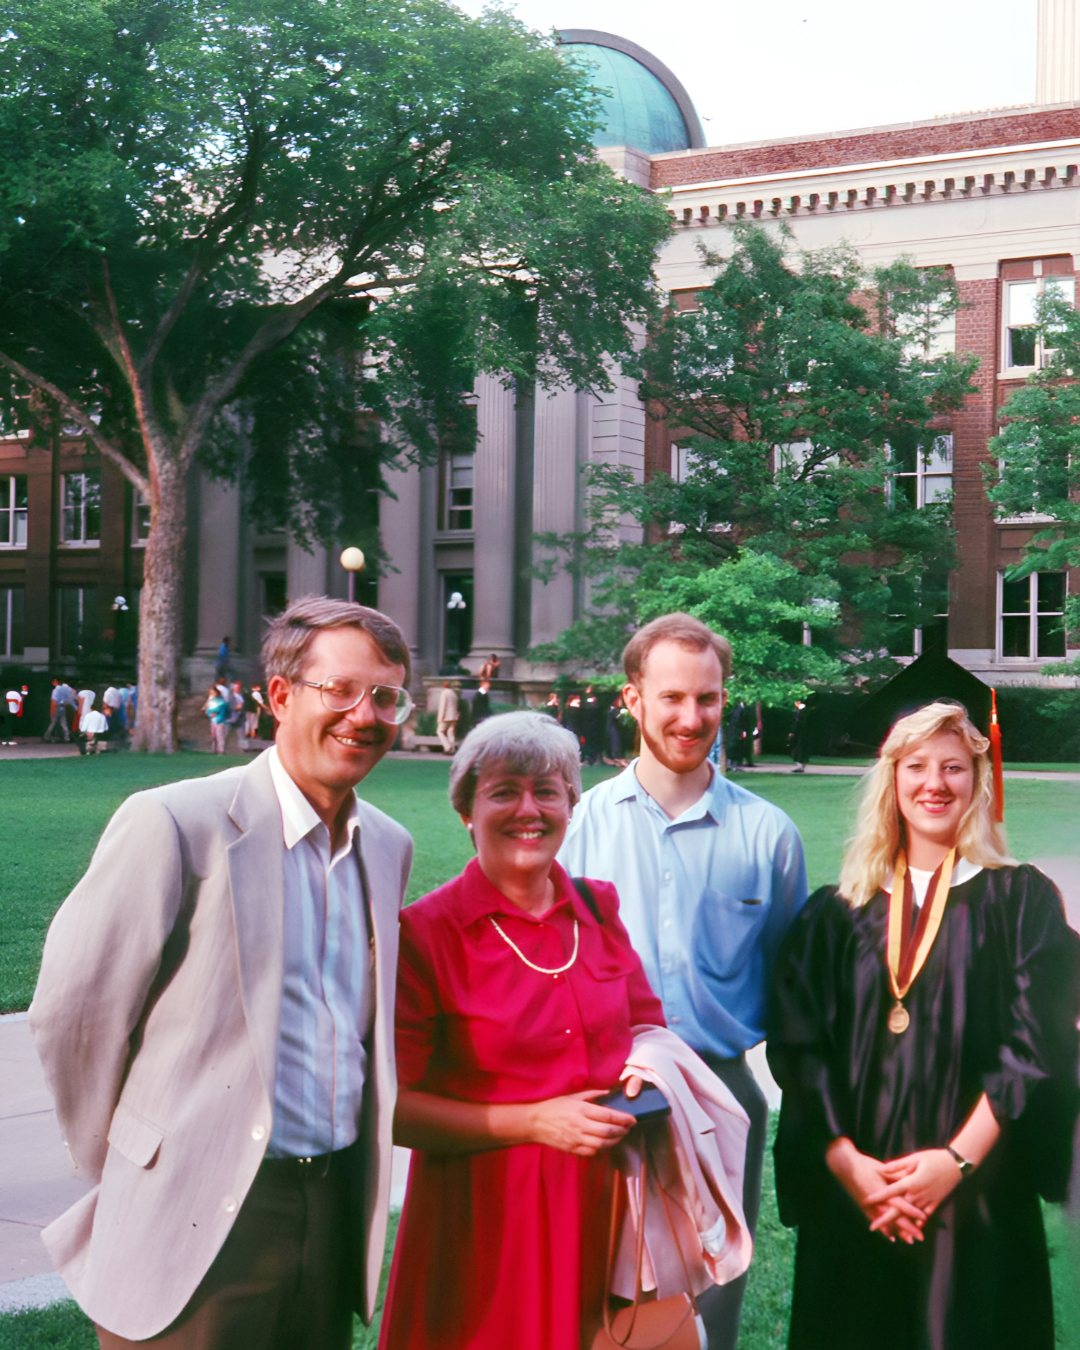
x,y
582,888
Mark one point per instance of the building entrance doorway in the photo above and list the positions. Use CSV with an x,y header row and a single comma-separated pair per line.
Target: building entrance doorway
x,y
457,610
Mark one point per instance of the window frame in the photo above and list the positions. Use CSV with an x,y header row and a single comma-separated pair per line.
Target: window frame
x,y
1042,352
925,469
13,511
7,620
139,503
456,460
1033,615
81,507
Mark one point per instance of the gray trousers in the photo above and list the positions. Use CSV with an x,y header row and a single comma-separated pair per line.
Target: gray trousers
x,y
61,716
721,1305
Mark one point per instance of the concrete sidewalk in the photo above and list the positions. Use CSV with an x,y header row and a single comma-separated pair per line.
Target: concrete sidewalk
x,y
36,1182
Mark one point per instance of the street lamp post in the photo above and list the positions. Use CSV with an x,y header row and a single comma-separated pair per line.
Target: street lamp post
x,y
352,559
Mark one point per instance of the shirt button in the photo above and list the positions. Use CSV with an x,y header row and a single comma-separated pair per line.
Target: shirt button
x,y
229,1205
259,1132
667,876
568,1031
667,923
674,1019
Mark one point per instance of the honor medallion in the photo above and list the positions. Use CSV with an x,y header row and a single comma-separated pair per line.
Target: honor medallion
x,y
899,1019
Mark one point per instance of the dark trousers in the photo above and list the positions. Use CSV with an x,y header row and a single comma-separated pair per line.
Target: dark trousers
x,y
721,1305
284,1277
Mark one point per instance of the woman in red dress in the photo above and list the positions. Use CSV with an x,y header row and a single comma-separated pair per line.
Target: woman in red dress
x,y
516,999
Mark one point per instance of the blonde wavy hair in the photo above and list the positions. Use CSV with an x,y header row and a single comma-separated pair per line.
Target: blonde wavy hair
x,y
879,826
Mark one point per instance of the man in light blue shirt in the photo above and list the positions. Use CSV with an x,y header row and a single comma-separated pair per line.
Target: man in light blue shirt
x,y
709,878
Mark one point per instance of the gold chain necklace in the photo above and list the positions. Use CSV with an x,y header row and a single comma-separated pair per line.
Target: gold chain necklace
x,y
520,953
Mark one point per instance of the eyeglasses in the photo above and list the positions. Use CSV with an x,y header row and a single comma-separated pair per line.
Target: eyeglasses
x,y
388,702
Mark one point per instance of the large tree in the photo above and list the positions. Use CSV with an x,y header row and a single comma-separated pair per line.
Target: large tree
x,y
801,392
284,237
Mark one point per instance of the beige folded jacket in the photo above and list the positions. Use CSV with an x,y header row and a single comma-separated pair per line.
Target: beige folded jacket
x,y
699,1161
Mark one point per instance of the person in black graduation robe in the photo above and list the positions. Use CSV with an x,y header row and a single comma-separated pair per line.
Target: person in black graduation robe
x,y
994,1011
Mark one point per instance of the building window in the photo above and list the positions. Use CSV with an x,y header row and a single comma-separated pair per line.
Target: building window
x,y
78,620
80,511
12,612
140,520
13,511
923,475
1033,616
1023,349
275,595
458,470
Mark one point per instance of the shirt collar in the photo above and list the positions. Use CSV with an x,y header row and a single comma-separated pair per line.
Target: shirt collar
x,y
710,803
480,897
298,816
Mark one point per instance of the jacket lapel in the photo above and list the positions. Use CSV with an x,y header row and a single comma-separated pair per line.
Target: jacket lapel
x,y
256,877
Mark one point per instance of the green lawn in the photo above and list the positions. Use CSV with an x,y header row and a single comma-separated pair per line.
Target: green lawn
x,y
54,810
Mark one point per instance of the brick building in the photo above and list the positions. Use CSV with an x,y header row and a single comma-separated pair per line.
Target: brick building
x,y
993,195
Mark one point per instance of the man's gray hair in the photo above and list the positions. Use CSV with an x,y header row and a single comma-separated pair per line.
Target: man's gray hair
x,y
290,635
531,744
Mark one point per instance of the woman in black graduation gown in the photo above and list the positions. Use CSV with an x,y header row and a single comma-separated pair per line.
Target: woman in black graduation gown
x,y
928,1066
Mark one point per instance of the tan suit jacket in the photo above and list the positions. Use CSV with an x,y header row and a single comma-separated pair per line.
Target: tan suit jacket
x,y
156,1019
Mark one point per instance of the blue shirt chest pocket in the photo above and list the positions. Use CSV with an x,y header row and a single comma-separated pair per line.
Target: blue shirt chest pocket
x,y
726,931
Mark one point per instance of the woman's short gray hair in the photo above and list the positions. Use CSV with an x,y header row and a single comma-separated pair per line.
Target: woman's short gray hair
x,y
528,743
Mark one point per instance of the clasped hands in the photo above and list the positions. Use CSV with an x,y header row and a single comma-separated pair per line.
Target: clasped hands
x,y
898,1196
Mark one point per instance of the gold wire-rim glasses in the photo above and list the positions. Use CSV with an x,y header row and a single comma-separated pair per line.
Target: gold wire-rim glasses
x,y
389,702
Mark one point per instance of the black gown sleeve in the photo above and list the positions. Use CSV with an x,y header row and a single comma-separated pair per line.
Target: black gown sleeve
x,y
1033,1088
802,1017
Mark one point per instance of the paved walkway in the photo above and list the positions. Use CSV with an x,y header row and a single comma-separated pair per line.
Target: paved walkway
x,y
36,1183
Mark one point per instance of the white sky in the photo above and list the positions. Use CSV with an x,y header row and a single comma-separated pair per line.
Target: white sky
x,y
775,68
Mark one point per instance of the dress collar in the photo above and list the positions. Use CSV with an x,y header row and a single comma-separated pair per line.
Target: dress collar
x,y
479,897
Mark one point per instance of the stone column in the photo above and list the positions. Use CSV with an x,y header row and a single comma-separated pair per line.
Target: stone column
x,y
554,502
305,573
399,524
219,566
1057,61
493,519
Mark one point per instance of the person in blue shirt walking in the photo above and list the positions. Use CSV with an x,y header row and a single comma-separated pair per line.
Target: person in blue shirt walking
x,y
709,877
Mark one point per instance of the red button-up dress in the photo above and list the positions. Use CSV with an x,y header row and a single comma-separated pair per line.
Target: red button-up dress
x,y
506,1249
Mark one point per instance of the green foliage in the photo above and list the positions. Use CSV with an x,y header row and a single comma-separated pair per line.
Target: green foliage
x,y
1039,448
243,229
794,414
764,601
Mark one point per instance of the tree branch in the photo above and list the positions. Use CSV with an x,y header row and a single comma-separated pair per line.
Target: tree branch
x,y
89,427
210,243
277,328
150,434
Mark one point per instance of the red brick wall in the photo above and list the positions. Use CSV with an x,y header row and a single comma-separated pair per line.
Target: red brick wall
x,y
936,138
972,608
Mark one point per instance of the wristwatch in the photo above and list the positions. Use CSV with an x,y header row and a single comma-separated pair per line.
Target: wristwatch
x,y
965,1164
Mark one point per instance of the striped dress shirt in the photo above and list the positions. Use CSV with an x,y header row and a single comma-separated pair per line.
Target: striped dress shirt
x,y
327,997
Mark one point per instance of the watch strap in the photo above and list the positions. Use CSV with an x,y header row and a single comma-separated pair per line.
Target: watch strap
x,y
965,1165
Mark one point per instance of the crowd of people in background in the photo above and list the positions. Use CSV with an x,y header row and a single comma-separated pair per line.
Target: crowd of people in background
x,y
232,705
73,716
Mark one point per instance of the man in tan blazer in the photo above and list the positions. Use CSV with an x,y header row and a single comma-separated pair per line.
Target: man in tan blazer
x,y
215,1017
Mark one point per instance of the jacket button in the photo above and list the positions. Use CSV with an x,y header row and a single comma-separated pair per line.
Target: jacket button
x,y
259,1132
229,1205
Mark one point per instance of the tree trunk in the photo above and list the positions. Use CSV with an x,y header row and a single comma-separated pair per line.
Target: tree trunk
x,y
161,606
